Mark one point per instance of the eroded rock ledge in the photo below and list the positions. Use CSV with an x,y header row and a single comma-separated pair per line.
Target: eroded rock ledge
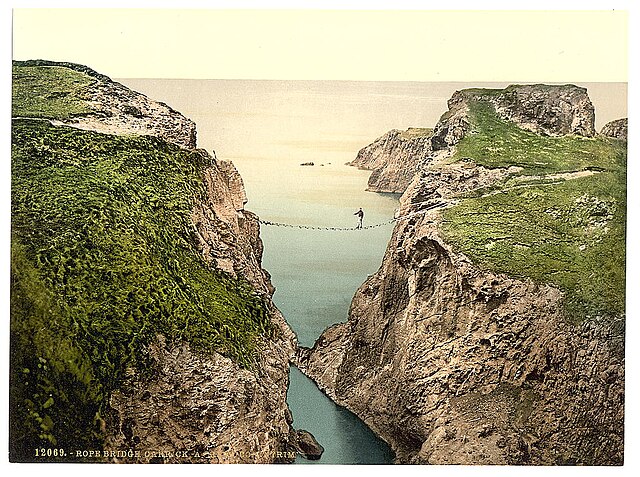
x,y
394,158
116,109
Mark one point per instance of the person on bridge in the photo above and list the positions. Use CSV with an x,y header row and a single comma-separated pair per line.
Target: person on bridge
x,y
360,215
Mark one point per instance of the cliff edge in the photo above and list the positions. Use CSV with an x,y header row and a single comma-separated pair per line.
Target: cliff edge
x,y
142,327
394,158
493,332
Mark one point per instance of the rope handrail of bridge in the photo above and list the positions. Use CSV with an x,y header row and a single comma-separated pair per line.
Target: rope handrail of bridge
x,y
381,224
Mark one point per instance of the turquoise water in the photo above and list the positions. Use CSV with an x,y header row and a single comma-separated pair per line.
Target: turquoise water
x,y
346,440
316,274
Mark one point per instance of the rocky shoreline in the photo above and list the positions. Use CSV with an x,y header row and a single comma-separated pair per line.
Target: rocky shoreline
x,y
394,159
444,358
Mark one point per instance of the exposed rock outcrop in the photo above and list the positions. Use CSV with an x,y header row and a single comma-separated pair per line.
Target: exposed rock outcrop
x,y
307,445
397,156
204,409
551,110
454,123
193,406
116,109
617,129
454,364
394,158
227,234
208,406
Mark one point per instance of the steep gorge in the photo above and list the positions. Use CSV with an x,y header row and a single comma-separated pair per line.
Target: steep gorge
x,y
484,338
460,349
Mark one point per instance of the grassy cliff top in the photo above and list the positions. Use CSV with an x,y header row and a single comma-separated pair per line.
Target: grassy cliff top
x,y
103,260
495,142
564,229
51,92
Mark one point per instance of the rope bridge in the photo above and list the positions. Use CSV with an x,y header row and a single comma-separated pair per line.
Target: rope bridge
x,y
381,224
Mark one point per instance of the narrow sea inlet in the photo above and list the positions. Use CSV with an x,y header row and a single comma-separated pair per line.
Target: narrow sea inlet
x,y
316,273
268,129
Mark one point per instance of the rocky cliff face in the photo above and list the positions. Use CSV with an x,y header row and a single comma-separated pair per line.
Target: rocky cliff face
x,y
550,110
207,407
617,129
451,363
553,110
394,158
189,406
397,156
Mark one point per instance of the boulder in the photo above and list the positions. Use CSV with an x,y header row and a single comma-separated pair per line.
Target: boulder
x,y
616,129
307,445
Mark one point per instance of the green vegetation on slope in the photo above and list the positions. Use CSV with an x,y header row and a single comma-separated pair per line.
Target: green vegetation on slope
x,y
570,233
494,142
51,92
102,261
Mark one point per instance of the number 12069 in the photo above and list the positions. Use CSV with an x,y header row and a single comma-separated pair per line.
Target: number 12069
x,y
42,452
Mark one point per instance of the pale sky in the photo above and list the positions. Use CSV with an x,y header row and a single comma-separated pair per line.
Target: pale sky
x,y
516,46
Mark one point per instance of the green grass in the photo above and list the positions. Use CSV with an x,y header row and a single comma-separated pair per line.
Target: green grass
x,y
494,142
485,92
103,260
569,233
49,92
